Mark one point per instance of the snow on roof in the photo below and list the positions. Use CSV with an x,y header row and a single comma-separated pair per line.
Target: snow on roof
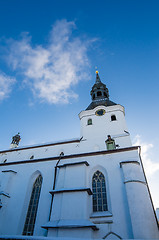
x,y
42,145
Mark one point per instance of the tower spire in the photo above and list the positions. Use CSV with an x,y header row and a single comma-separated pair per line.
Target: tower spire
x,y
99,94
97,77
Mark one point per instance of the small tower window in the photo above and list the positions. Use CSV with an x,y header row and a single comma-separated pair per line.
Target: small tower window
x,y
99,192
93,96
99,93
113,118
89,122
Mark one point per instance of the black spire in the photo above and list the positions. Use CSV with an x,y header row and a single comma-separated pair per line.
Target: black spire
x,y
97,78
99,94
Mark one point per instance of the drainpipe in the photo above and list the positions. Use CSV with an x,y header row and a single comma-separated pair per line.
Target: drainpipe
x,y
54,183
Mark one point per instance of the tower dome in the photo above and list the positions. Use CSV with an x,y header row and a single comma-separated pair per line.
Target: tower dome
x,y
99,94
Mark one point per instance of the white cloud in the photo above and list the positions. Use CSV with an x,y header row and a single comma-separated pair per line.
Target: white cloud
x,y
6,83
52,70
149,165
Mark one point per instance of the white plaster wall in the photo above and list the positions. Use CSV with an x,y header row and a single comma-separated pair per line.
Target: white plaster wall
x,y
15,211
103,126
116,204
76,205
140,207
39,152
75,233
70,206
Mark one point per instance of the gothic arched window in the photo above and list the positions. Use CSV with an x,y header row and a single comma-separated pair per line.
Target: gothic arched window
x,y
33,206
99,192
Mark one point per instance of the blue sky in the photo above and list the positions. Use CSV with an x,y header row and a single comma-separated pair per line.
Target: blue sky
x,y
49,51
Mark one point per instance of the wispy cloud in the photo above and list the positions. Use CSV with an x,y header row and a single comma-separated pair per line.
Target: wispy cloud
x,y
52,70
6,84
149,165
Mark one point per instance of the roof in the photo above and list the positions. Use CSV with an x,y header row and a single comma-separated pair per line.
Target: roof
x,y
74,140
103,102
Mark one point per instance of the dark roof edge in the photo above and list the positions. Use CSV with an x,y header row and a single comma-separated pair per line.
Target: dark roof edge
x,y
96,103
78,155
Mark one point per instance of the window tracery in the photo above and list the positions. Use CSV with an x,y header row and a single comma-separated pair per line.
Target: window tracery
x,y
99,192
33,206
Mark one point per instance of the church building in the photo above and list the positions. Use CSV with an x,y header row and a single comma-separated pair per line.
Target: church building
x,y
92,187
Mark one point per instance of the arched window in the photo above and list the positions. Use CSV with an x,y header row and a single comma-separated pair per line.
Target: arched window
x,y
99,192
113,118
33,206
89,122
99,93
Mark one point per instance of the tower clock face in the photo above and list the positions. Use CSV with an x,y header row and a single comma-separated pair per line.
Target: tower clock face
x,y
100,112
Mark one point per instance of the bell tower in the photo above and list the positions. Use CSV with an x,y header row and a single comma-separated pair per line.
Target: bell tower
x,y
99,94
103,118
99,90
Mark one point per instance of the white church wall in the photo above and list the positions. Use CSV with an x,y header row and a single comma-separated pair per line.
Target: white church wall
x,y
78,205
116,205
16,209
39,152
138,196
103,126
110,164
65,233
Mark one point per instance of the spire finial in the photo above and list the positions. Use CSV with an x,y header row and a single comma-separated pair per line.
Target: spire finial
x,y
96,70
97,77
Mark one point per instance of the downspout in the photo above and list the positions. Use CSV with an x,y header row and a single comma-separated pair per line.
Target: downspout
x,y
54,183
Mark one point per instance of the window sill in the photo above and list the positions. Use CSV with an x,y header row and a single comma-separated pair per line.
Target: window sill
x,y
101,214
